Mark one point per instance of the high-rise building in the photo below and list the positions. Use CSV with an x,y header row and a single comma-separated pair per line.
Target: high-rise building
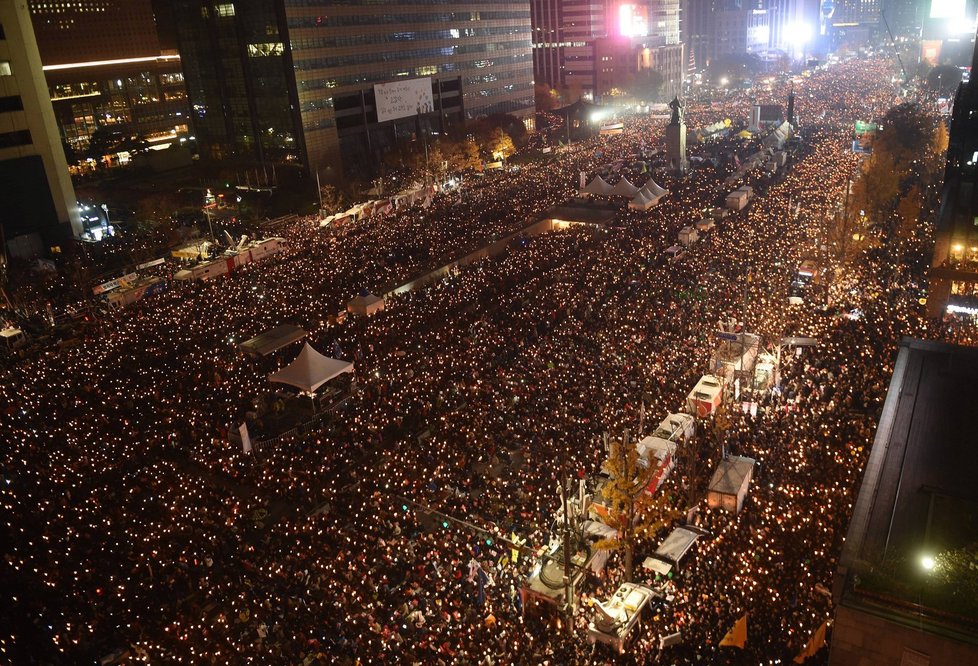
x,y
37,200
717,28
329,85
108,76
954,267
564,34
595,47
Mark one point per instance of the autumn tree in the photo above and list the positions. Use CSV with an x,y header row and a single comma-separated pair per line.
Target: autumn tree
x,y
906,134
463,154
545,97
875,191
332,198
499,143
632,510
908,213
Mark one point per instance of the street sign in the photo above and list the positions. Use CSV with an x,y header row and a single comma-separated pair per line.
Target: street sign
x,y
732,337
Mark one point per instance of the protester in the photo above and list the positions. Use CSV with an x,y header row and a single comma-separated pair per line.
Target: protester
x,y
131,521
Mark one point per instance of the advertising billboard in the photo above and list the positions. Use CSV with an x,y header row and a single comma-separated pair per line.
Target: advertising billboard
x,y
401,99
633,20
947,9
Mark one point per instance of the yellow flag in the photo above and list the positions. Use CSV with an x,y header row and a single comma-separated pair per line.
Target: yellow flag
x,y
814,645
737,636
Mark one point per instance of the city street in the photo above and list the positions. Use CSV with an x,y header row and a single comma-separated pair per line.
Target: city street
x,y
161,536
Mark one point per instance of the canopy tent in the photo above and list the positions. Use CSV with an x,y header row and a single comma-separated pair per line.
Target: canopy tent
x,y
642,201
729,484
310,370
623,188
654,188
599,187
272,340
365,304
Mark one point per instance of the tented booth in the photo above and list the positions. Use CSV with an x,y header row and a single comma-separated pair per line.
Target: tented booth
x,y
642,202
729,484
623,188
310,370
598,187
365,304
688,236
672,550
272,340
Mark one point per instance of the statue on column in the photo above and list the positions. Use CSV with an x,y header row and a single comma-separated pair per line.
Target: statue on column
x,y
678,110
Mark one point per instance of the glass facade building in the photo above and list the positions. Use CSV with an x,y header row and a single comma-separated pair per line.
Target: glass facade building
x,y
106,69
293,80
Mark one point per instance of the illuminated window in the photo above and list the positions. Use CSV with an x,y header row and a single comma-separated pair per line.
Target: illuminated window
x,y
5,68
266,49
226,9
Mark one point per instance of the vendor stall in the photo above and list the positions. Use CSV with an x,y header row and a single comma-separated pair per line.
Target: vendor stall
x,y
730,482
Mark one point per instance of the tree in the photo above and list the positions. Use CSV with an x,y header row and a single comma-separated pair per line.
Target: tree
x,y
944,80
545,97
499,144
333,200
940,141
906,134
646,85
463,154
157,209
875,191
632,510
571,92
908,213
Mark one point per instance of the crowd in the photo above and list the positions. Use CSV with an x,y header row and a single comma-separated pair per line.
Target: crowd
x,y
131,522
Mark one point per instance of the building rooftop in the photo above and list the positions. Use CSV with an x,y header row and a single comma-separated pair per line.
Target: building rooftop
x,y
917,508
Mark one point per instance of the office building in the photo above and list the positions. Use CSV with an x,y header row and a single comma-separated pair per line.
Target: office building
x,y
718,28
596,48
898,592
953,276
564,34
107,72
330,85
37,200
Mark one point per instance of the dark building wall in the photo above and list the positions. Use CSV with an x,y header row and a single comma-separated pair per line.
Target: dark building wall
x,y
238,81
26,205
87,30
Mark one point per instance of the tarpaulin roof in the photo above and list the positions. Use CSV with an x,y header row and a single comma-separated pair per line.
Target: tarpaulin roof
x,y
598,186
310,370
623,188
730,475
272,340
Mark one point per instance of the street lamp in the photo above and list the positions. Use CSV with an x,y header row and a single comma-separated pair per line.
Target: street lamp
x,y
928,563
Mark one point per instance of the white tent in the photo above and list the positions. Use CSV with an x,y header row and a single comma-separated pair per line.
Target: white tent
x,y
642,201
598,187
623,188
366,304
310,370
654,188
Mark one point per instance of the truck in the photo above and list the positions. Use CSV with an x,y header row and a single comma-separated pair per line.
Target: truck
x,y
706,397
